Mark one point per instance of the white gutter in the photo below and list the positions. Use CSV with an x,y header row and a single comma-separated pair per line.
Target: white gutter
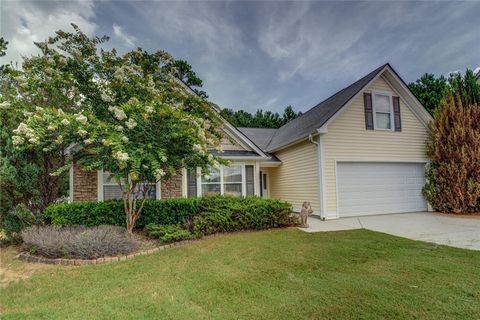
x,y
320,174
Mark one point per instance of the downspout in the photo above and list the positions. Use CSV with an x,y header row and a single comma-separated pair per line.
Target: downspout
x,y
320,182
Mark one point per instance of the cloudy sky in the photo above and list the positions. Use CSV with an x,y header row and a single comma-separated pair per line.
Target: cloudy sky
x,y
268,54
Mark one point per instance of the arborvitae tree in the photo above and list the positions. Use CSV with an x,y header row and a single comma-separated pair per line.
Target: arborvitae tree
x,y
454,149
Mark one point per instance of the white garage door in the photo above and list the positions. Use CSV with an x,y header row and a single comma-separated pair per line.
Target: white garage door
x,y
366,188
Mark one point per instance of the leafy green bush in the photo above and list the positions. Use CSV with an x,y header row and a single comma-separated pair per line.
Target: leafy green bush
x,y
14,221
200,216
169,233
227,214
78,241
164,212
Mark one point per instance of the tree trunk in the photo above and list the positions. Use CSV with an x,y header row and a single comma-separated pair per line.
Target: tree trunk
x,y
130,206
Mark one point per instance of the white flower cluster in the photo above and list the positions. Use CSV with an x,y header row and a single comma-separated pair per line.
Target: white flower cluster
x,y
4,104
159,173
82,133
105,97
199,148
23,129
119,74
149,109
118,113
81,118
163,159
121,156
17,140
131,123
65,122
88,141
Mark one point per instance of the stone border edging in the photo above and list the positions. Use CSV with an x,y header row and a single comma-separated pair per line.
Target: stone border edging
x,y
27,257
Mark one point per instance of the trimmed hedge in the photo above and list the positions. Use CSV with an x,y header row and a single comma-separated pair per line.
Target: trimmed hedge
x,y
165,212
199,215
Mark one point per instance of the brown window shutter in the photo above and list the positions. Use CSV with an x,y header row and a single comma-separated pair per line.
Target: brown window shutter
x,y
396,114
367,99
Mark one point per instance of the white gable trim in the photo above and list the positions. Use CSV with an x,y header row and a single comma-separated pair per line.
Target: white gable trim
x,y
243,140
233,132
396,83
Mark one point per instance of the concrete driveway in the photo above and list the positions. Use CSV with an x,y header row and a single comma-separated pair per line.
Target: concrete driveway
x,y
425,226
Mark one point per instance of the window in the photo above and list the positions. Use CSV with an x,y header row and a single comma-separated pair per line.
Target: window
x,y
383,111
232,180
249,180
191,183
211,182
235,180
112,191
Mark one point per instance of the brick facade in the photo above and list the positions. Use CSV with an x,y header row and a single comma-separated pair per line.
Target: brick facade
x,y
84,184
172,188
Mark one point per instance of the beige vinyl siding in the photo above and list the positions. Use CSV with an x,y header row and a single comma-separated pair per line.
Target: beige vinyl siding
x,y
348,140
296,179
229,143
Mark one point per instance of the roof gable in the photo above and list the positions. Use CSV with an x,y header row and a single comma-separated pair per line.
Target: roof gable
x,y
314,118
317,118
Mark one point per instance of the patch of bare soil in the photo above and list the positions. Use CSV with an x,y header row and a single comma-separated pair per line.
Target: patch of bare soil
x,y
13,270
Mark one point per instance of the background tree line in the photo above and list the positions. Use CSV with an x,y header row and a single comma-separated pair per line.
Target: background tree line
x,y
259,119
431,90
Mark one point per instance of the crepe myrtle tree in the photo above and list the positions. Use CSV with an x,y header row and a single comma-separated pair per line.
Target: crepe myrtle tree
x,y
133,119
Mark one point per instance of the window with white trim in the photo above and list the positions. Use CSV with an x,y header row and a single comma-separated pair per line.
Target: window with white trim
x,y
232,180
212,182
382,111
235,180
112,191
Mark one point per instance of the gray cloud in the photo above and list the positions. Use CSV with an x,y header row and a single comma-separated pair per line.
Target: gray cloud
x,y
23,23
270,54
127,39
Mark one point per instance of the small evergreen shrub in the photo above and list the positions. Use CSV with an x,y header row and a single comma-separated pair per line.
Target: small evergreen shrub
x,y
168,233
453,176
77,241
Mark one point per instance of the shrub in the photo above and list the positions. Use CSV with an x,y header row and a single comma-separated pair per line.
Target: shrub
x,y
164,212
226,214
453,176
12,222
199,215
77,241
169,233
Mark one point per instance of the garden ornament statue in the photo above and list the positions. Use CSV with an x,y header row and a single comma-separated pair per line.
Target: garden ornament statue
x,y
304,213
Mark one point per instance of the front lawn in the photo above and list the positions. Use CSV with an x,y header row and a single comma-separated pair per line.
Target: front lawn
x,y
279,274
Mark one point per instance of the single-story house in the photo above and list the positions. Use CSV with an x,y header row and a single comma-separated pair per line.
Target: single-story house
x,y
359,152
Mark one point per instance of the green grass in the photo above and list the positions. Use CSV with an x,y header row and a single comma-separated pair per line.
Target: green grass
x,y
280,274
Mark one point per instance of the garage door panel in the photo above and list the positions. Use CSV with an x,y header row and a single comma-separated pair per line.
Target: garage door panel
x,y
378,188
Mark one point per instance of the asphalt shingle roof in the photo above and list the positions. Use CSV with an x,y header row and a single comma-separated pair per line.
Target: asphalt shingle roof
x,y
260,136
314,118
